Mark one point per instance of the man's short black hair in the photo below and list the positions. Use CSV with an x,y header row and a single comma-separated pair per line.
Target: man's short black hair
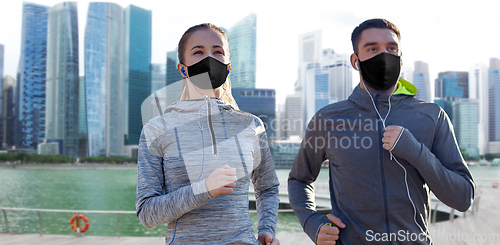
x,y
368,24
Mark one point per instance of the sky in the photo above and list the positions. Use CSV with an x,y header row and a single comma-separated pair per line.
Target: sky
x,y
447,35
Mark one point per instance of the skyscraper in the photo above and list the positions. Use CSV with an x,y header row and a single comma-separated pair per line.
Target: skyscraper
x,y
340,75
292,123
242,44
62,78
465,121
1,95
32,77
9,119
82,120
407,74
422,82
137,69
451,86
174,78
261,103
494,104
478,89
104,82
310,51
158,77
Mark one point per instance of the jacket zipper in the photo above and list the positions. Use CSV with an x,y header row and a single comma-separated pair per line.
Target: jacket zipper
x,y
211,129
384,190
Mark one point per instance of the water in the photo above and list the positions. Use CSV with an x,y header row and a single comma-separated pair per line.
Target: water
x,y
109,190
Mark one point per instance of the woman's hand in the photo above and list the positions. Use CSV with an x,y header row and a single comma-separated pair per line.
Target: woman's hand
x,y
221,181
267,239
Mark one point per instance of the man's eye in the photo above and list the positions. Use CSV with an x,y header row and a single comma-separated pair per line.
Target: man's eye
x,y
198,52
217,52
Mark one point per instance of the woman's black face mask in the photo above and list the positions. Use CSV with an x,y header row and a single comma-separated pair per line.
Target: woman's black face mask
x,y
217,72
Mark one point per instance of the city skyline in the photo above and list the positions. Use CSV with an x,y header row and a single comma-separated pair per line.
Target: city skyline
x,y
446,39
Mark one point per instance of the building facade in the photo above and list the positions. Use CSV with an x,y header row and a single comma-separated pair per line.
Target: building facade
x,y
242,45
104,79
494,105
261,103
2,132
137,68
422,82
451,86
62,86
9,118
465,121
478,89
30,103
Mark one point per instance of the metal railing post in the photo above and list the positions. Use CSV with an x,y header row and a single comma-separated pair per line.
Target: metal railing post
x,y
435,214
40,223
6,221
118,224
452,215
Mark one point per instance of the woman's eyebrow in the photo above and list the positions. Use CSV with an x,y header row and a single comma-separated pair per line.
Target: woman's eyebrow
x,y
197,46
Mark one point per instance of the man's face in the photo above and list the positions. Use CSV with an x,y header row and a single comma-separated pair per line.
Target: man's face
x,y
374,41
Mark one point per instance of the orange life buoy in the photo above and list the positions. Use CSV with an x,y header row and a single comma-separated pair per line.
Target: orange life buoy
x,y
495,185
79,216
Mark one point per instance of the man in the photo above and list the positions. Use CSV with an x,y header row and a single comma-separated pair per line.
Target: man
x,y
386,150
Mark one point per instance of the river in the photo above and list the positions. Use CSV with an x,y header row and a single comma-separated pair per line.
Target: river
x,y
103,189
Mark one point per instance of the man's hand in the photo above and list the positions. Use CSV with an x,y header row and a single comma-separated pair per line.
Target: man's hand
x,y
390,135
329,234
267,239
221,181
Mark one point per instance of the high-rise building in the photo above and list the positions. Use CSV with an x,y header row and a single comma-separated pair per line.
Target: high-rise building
x,y
465,121
478,89
310,51
451,86
407,74
340,75
83,147
422,82
494,103
174,78
261,103
32,77
8,119
137,68
1,94
62,85
292,123
104,79
158,77
242,44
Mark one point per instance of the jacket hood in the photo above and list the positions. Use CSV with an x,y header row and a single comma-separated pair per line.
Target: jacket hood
x,y
362,100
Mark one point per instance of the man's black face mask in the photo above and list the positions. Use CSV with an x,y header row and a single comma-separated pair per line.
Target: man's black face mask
x,y
381,72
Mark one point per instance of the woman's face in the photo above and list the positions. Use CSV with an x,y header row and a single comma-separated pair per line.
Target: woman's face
x,y
204,43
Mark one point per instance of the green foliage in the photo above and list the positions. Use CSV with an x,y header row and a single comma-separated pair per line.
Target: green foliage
x,y
35,158
490,157
110,159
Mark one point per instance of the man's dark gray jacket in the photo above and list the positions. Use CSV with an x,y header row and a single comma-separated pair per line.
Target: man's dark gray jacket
x,y
367,188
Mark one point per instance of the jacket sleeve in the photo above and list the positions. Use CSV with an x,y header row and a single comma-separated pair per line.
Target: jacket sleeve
x,y
266,183
154,205
443,168
305,170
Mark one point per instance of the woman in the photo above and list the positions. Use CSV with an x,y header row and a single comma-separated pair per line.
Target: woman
x,y
196,160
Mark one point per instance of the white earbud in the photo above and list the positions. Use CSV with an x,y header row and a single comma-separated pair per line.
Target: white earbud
x,y
356,64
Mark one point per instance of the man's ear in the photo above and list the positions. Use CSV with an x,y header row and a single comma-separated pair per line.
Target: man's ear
x,y
401,59
355,62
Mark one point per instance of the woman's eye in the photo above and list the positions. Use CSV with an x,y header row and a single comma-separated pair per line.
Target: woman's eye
x,y
198,52
217,52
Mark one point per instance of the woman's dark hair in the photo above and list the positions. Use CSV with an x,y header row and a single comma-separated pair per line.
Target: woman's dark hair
x,y
185,36
368,24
